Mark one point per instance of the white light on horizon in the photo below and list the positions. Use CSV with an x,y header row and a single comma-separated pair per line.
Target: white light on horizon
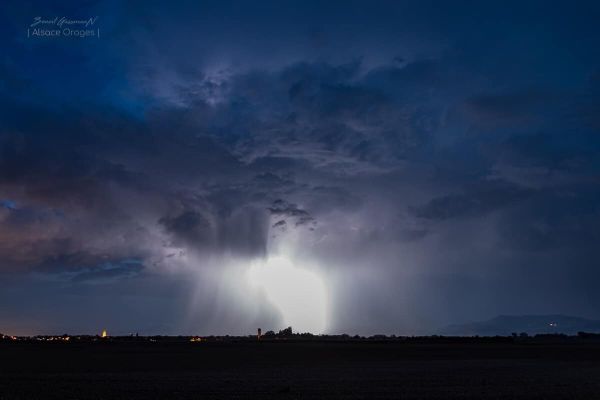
x,y
299,294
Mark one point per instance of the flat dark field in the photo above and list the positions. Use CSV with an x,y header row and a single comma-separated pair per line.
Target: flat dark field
x,y
298,370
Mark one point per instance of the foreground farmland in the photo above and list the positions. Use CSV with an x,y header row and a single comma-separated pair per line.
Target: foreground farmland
x,y
317,370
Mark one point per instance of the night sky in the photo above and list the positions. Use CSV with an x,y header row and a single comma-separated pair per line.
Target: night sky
x,y
355,166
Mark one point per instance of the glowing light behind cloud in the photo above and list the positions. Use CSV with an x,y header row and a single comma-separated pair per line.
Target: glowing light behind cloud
x,y
299,293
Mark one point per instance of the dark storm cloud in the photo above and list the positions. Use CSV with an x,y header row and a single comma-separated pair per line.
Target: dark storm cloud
x,y
436,153
203,170
109,271
524,108
282,209
242,231
189,225
478,200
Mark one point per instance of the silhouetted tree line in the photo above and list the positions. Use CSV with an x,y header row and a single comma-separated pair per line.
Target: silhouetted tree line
x,y
288,334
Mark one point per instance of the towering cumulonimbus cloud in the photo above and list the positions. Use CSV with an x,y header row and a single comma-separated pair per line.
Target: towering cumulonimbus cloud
x,y
428,167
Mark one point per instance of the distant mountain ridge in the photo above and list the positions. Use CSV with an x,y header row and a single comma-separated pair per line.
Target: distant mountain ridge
x,y
505,325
